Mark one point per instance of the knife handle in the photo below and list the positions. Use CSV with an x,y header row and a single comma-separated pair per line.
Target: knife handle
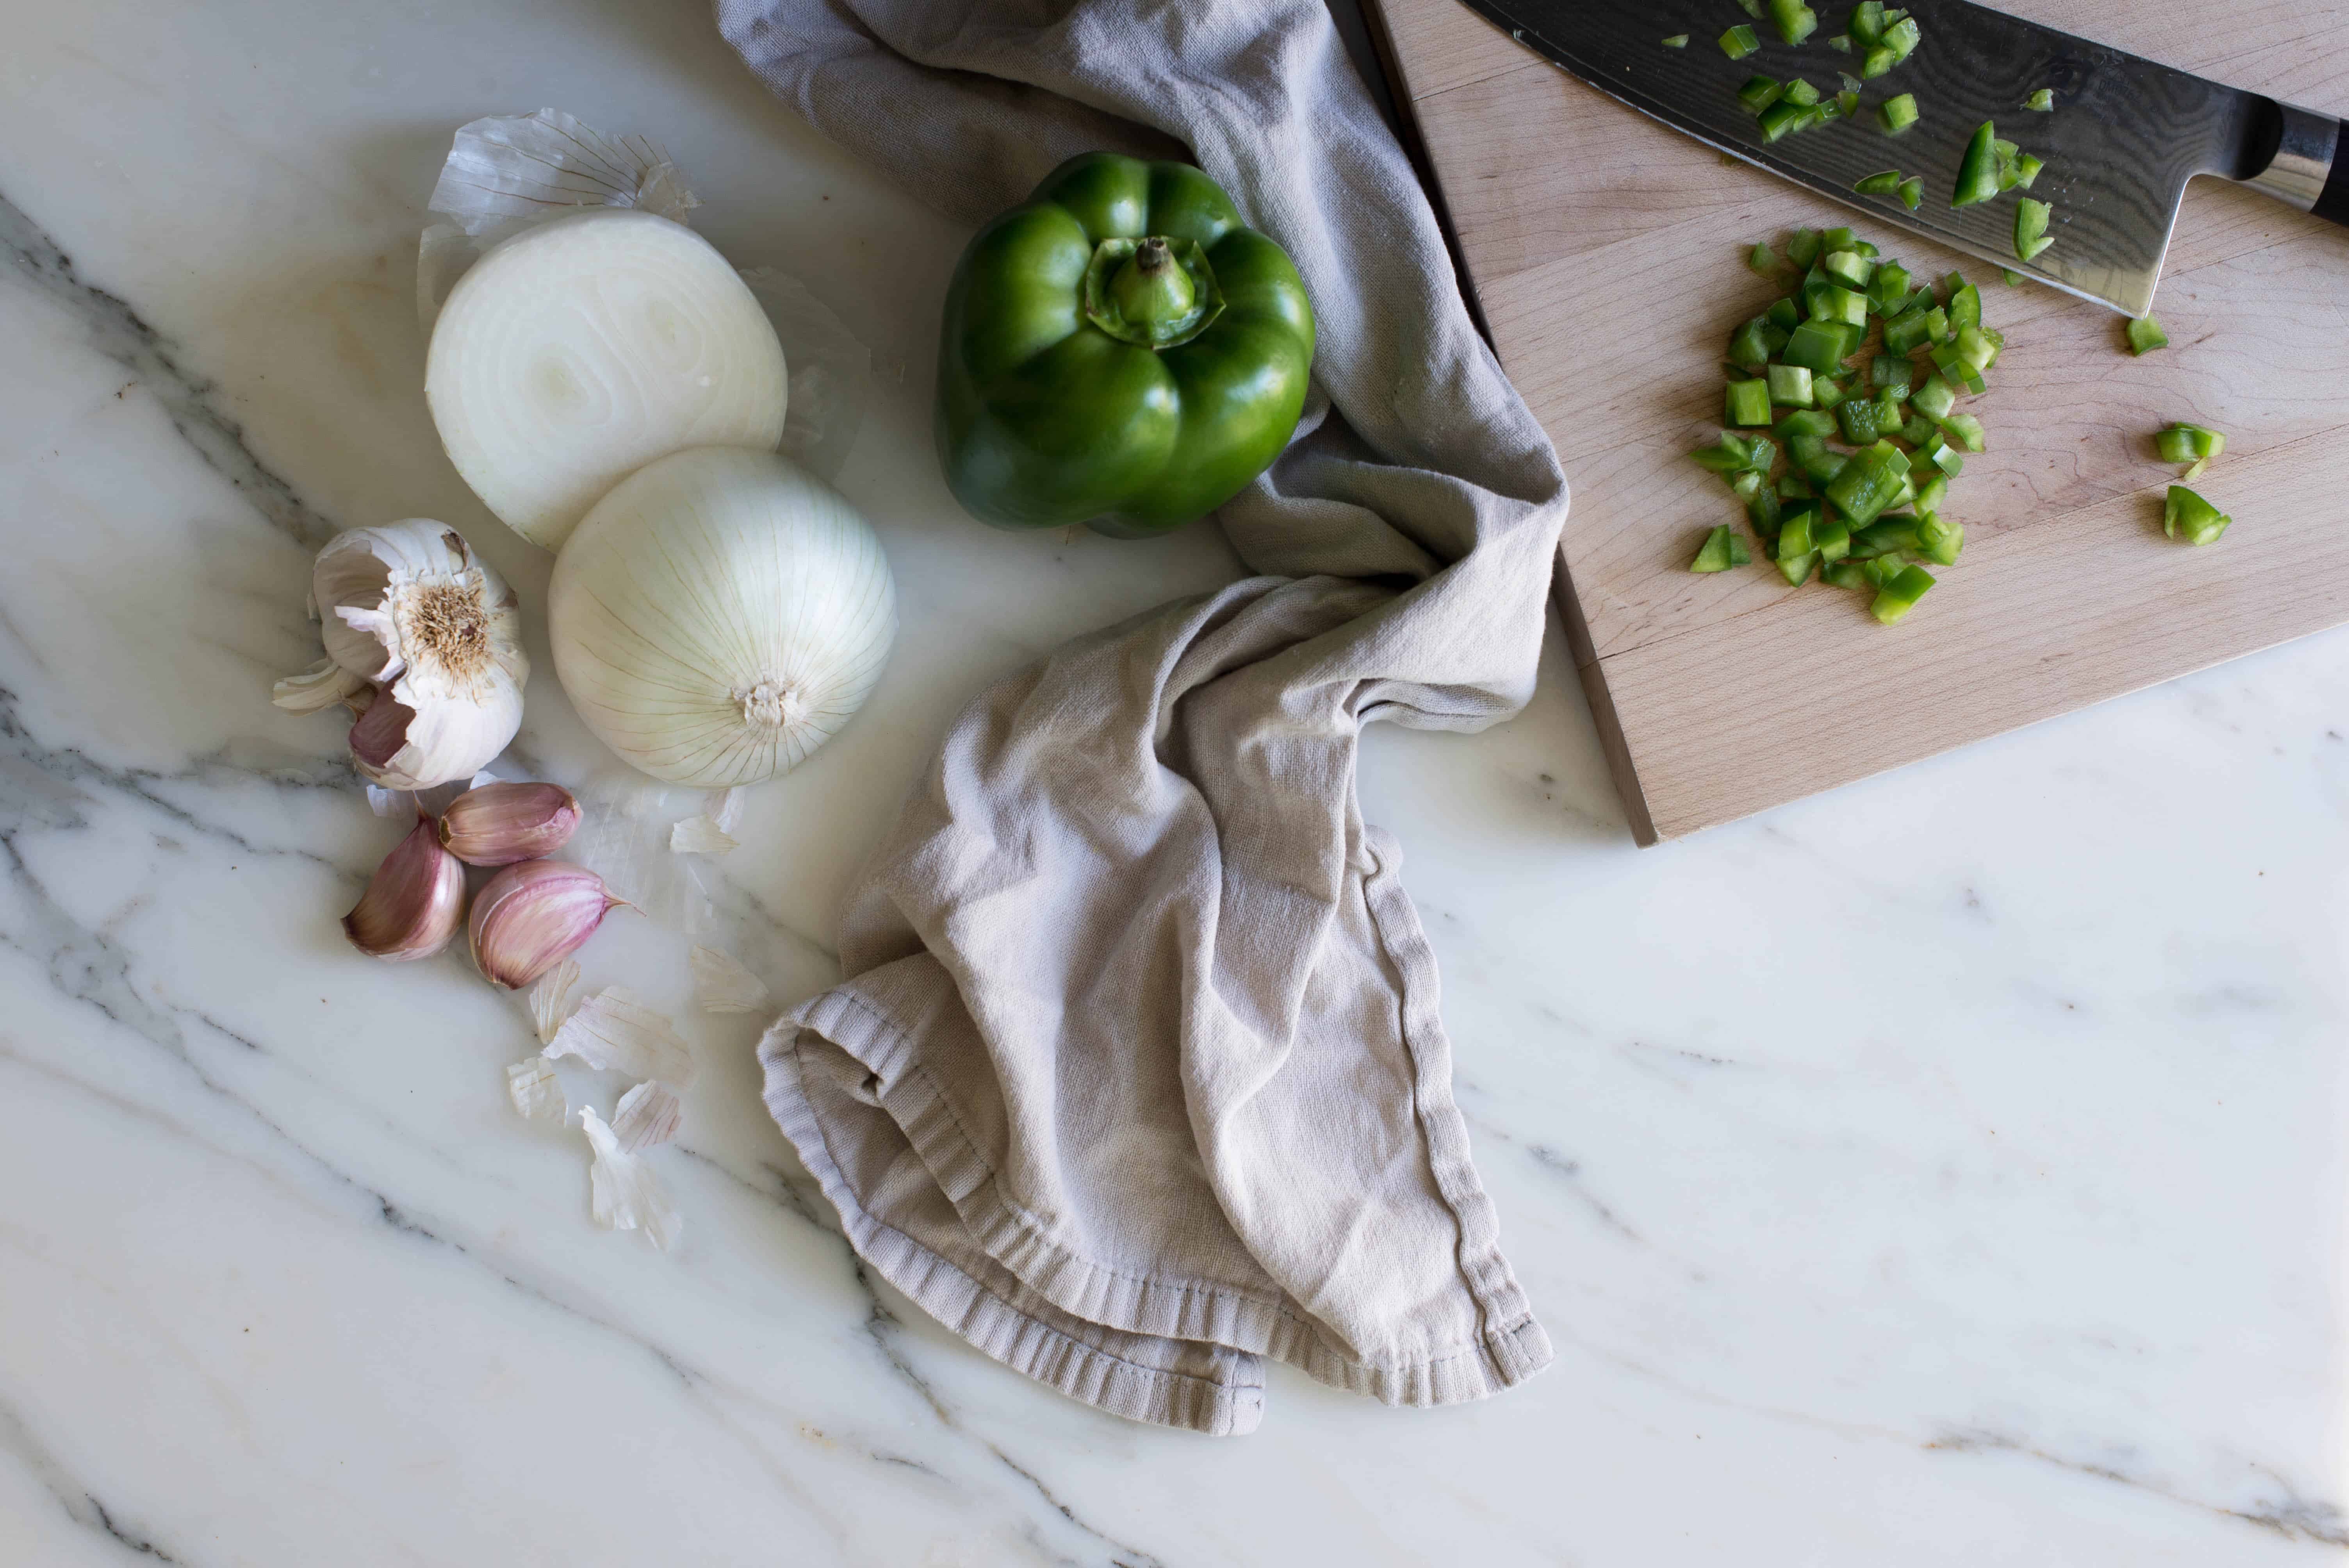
x,y
2302,157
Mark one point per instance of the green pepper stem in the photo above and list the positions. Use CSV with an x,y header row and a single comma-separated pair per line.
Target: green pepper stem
x,y
1150,289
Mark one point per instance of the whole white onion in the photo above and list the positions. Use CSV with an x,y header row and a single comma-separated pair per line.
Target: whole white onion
x,y
583,349
720,614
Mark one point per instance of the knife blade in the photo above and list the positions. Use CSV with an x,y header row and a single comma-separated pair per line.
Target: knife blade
x,y
2126,134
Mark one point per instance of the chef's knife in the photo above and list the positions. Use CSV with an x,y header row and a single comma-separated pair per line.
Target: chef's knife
x,y
2126,135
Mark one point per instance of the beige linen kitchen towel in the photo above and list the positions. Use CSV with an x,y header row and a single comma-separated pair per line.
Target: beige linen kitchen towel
x,y
1137,1076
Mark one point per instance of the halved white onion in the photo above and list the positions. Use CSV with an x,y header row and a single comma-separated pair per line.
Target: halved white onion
x,y
720,616
580,350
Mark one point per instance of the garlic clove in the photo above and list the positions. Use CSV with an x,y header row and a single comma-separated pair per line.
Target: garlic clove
x,y
414,903
499,824
532,915
410,607
320,687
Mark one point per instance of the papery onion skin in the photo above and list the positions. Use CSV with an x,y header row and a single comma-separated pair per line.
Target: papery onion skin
x,y
584,347
720,616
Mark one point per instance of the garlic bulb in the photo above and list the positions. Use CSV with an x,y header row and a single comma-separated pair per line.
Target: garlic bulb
x,y
583,349
720,616
410,607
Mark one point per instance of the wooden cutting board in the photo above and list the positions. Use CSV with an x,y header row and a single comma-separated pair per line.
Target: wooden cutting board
x,y
1607,254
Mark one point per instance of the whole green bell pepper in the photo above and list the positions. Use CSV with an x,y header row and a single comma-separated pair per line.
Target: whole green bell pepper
x,y
1121,351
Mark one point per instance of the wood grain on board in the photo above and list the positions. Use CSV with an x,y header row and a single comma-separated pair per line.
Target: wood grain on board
x,y
1607,253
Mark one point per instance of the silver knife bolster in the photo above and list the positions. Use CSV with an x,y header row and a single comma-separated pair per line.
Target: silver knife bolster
x,y
2307,144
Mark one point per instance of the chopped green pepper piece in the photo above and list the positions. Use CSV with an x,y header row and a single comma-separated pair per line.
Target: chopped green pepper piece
x,y
1816,345
1889,370
1888,290
1897,597
2144,335
1805,422
1935,398
2189,443
1729,455
1713,555
1839,44
1781,118
1796,20
1802,92
1964,309
1820,466
1803,249
1886,183
1975,350
1978,170
1920,431
2026,170
1761,510
1908,332
1860,423
1751,8
1740,42
1868,482
1762,455
1932,493
1912,193
1944,457
1902,38
1677,41
1898,114
1797,568
1794,487
1762,260
1845,575
1786,315
1888,536
1749,403
1831,539
2043,101
1877,61
1966,428
1760,92
1838,240
1883,569
1790,385
1851,84
1847,104
1840,307
1850,268
2010,277
1826,392
1738,554
1867,22
2186,515
1755,343
2031,235
1794,531
1939,542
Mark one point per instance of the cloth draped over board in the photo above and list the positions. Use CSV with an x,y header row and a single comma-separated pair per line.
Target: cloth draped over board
x,y
1135,1076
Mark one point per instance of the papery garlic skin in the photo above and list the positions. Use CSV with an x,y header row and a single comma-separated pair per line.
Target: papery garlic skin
x,y
720,614
410,607
318,689
414,903
530,917
499,824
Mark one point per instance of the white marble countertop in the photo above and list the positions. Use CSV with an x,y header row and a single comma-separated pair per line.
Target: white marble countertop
x,y
1946,1171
